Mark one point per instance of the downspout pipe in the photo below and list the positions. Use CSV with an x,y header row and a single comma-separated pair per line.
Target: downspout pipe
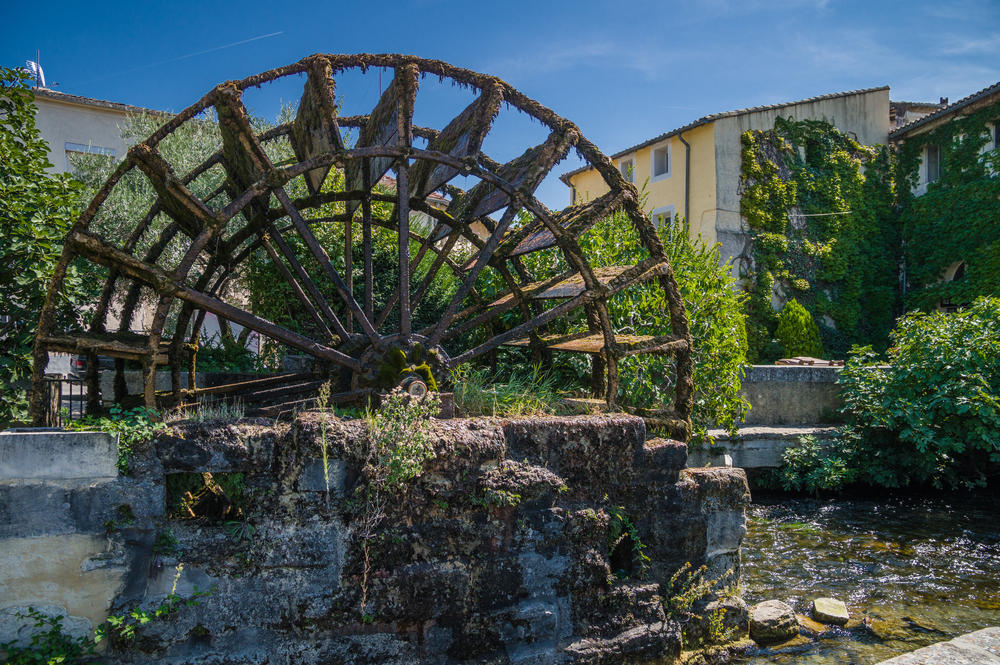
x,y
687,177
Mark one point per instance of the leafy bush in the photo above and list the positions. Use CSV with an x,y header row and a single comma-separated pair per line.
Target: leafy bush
x,y
49,644
810,466
400,440
931,416
715,317
37,208
797,332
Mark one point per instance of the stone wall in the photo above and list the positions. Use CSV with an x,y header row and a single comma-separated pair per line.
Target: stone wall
x,y
59,492
503,551
791,394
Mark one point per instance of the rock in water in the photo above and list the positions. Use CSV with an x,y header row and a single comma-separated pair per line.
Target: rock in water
x,y
771,622
830,610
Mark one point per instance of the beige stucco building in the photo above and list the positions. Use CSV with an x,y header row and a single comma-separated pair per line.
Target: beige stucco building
x,y
694,170
74,124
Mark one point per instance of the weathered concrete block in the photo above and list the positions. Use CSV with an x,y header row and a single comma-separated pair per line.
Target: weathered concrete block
x,y
57,455
63,574
32,508
791,394
499,552
755,447
244,446
314,479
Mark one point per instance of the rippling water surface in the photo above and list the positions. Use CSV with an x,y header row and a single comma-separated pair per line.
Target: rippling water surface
x,y
913,571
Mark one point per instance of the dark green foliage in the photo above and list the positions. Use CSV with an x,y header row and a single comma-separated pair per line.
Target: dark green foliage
x,y
820,211
226,353
956,220
812,467
931,416
48,643
37,208
797,332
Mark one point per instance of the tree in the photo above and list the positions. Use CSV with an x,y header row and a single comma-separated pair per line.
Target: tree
x,y
37,209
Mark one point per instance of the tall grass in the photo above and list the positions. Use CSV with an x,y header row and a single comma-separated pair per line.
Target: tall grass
x,y
521,393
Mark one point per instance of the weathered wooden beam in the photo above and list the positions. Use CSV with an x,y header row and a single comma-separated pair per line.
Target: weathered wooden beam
x,y
296,289
307,281
314,130
174,197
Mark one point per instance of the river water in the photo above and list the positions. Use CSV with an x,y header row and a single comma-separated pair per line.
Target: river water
x,y
912,570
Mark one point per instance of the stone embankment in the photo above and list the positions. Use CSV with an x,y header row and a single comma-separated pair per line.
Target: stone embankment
x,y
547,540
979,648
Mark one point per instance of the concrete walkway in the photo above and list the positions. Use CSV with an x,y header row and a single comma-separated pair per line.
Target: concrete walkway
x,y
979,648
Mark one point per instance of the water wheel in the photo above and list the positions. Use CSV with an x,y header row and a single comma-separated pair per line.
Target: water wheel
x,y
185,259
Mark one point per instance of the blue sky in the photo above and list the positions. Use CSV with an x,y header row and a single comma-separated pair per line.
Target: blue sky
x,y
621,71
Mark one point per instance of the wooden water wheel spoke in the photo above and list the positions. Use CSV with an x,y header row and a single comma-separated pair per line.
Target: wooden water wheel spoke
x,y
476,294
303,277
296,288
327,266
470,279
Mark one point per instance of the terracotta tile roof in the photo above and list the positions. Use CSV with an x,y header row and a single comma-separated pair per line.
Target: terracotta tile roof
x,y
725,114
947,110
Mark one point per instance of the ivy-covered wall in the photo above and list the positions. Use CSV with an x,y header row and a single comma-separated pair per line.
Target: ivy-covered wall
x,y
958,218
819,208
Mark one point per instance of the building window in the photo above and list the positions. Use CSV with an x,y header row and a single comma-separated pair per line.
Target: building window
x,y
627,167
572,195
933,158
664,218
75,149
660,162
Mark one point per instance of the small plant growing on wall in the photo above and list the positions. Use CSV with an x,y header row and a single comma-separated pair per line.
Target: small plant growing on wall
x,y
398,446
797,332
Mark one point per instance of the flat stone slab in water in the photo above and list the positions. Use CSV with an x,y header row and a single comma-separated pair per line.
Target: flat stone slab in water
x,y
979,648
830,610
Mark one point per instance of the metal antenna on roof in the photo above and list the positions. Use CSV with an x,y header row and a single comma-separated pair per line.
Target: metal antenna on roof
x,y
35,69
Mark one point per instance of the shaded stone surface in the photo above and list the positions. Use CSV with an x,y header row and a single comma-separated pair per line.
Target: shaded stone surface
x,y
772,621
979,648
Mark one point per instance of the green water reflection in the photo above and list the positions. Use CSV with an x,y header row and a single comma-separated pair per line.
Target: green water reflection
x,y
913,570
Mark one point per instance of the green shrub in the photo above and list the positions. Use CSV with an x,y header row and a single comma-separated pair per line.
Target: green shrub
x,y
797,332
810,466
931,416
37,208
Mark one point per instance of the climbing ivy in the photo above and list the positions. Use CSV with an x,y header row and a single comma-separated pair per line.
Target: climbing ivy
x,y
956,219
819,210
